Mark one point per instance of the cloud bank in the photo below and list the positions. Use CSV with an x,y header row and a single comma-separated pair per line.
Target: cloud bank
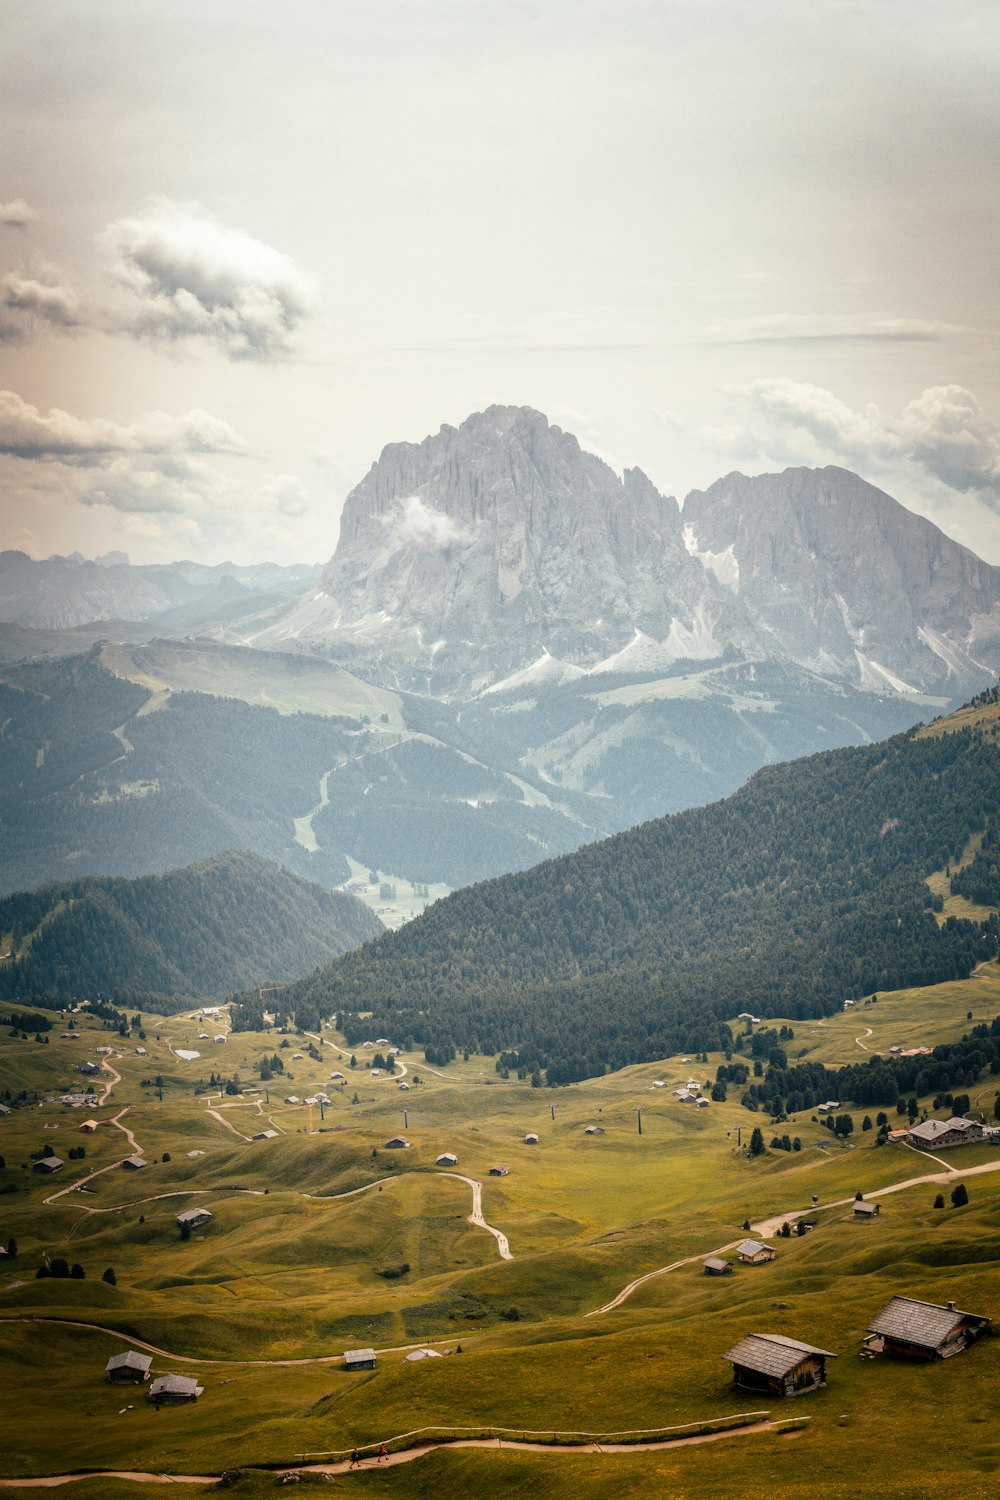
x,y
189,276
181,276
17,214
942,441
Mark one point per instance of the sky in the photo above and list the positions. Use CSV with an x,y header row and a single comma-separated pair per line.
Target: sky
x,y
244,246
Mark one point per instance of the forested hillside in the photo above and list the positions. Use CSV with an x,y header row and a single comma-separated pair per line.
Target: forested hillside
x,y
805,888
231,921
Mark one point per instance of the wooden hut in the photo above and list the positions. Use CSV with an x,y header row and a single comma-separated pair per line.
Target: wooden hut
x,y
778,1365
130,1368
923,1330
359,1359
714,1265
753,1253
171,1390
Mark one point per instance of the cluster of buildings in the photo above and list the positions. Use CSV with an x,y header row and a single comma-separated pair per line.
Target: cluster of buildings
x,y
907,1327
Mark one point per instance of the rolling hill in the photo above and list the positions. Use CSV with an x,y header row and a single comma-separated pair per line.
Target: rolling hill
x,y
227,922
806,888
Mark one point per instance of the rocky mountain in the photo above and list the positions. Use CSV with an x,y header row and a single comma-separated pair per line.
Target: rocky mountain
x,y
839,577
499,555
500,547
63,592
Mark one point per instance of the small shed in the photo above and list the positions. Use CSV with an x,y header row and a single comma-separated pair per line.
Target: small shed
x,y
135,1163
447,1159
171,1390
193,1217
778,1365
265,1135
594,1130
531,1139
499,1170
715,1266
130,1368
418,1354
89,1126
753,1253
359,1359
48,1164
397,1143
866,1212
923,1330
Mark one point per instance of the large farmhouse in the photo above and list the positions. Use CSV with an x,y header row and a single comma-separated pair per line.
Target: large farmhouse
x,y
781,1366
954,1132
923,1330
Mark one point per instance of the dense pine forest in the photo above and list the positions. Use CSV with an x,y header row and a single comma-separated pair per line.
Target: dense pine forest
x,y
804,889
227,922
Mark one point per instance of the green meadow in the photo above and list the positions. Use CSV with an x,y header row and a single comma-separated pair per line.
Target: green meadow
x,y
323,1239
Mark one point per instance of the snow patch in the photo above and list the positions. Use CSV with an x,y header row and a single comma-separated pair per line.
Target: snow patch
x,y
547,669
723,564
875,678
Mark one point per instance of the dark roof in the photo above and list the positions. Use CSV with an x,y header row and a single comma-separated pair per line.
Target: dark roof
x,y
130,1360
715,1263
926,1324
771,1353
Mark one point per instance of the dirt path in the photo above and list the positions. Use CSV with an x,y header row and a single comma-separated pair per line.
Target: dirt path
x,y
859,1042
769,1227
476,1216
217,1115
410,1455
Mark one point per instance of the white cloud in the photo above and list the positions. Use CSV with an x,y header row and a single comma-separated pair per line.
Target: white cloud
x,y
285,494
17,214
942,442
26,433
44,296
192,277
413,521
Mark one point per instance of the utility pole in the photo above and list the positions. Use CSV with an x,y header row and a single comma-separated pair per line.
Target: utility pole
x,y
638,1115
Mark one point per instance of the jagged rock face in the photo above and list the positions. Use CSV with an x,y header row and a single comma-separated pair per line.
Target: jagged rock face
x,y
489,546
839,577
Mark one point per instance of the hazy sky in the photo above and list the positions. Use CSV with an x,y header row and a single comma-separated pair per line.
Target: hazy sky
x,y
243,246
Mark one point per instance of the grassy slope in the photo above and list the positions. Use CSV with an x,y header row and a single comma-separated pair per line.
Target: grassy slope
x,y
285,1276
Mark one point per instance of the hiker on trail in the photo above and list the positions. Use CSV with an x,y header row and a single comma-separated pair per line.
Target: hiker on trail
x,y
355,1459
382,1453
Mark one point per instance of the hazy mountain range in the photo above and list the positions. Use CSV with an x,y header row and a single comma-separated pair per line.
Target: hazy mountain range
x,y
512,652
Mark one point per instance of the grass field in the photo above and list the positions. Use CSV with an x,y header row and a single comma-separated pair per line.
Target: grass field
x,y
311,1230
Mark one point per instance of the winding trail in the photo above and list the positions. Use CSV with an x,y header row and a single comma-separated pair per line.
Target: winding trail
x,y
476,1216
769,1227
860,1043
419,1450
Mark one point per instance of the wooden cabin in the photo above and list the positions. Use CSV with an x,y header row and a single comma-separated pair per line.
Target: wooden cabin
x,y
171,1390
194,1217
714,1265
499,1170
359,1359
923,1330
130,1368
866,1212
753,1253
777,1365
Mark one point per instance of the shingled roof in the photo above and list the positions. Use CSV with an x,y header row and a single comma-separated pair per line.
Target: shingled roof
x,y
925,1324
771,1353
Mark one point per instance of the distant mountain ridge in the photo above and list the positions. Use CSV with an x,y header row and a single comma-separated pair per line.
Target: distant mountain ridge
x,y
207,929
64,592
500,552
